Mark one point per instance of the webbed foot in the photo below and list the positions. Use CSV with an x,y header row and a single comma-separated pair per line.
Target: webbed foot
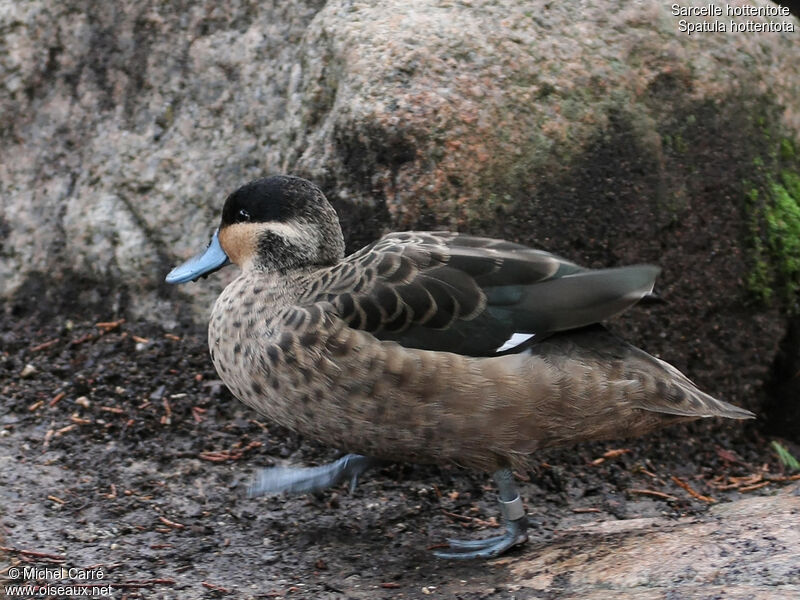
x,y
516,523
490,547
310,479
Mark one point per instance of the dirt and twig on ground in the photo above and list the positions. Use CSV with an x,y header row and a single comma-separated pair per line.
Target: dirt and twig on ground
x,y
120,449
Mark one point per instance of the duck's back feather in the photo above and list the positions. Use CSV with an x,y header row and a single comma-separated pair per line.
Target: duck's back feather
x,y
451,292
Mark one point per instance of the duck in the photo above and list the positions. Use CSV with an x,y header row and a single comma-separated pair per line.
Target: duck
x,y
426,347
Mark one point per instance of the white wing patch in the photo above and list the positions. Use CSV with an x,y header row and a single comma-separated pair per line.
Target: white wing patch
x,y
515,340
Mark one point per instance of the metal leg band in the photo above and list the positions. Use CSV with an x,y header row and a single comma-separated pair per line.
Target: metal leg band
x,y
513,509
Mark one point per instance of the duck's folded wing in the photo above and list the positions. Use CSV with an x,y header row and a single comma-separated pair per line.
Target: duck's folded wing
x,y
470,295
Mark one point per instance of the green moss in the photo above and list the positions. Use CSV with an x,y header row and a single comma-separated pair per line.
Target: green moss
x,y
680,144
788,151
792,183
783,230
774,209
759,280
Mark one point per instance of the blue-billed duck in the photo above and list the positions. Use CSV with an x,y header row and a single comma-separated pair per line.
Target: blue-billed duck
x,y
429,347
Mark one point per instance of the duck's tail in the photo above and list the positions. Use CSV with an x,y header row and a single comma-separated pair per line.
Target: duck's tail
x,y
644,381
675,394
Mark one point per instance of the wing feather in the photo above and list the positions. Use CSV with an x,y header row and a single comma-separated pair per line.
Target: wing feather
x,y
466,294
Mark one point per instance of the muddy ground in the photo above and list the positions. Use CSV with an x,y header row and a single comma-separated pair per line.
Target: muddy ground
x,y
121,450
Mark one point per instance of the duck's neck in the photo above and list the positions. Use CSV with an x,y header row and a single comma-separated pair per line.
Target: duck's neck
x,y
277,289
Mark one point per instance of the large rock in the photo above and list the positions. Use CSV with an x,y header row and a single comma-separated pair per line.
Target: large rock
x,y
605,134
656,558
124,125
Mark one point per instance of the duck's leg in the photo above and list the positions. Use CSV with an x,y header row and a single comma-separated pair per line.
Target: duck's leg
x,y
310,479
514,519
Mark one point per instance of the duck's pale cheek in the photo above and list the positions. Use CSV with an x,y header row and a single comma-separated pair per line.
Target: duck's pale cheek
x,y
239,241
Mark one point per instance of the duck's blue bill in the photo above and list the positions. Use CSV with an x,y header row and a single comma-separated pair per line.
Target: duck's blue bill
x,y
202,264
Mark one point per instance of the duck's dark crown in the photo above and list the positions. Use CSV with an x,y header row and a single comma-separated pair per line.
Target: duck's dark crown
x,y
279,198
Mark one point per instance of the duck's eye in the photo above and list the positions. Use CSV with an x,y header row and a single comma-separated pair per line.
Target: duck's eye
x,y
244,215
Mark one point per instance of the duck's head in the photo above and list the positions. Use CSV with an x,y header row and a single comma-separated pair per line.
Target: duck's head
x,y
276,223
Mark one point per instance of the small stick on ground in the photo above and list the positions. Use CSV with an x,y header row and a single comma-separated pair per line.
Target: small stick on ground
x,y
692,492
750,488
166,419
63,430
198,414
34,554
750,482
456,516
644,471
782,478
172,524
654,493
610,454
107,326
84,338
216,588
44,345
223,455
57,398
471,520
